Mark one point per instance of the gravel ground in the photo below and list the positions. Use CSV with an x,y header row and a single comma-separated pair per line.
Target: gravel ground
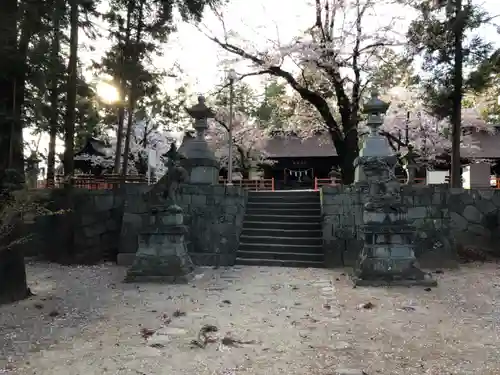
x,y
85,321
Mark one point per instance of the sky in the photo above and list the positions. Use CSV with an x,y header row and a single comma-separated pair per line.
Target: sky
x,y
260,24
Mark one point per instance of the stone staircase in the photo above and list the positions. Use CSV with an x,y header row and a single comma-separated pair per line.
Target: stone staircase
x,y
282,228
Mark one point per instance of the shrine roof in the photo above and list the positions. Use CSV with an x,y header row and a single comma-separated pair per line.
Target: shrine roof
x,y
486,146
295,147
95,146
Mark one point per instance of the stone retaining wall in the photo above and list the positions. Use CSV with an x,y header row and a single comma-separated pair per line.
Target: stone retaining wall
x,y
104,225
213,214
85,234
443,218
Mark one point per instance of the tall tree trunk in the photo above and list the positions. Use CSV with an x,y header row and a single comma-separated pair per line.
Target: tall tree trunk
x,y
122,84
54,92
69,123
456,113
12,271
349,154
11,156
20,88
133,89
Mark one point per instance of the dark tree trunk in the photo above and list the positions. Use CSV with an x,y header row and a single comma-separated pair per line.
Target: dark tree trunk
x,y
69,123
350,153
133,89
11,156
123,85
27,31
54,92
13,285
456,113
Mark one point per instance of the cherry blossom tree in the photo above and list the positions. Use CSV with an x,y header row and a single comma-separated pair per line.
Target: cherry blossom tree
x,y
249,140
408,123
146,135
343,56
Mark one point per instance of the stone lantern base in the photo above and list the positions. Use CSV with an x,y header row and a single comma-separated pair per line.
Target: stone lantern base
x,y
162,255
374,272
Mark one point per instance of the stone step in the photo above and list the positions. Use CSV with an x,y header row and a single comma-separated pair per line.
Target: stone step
x,y
299,231
304,257
257,223
280,248
283,204
284,198
283,218
280,240
309,198
278,263
272,210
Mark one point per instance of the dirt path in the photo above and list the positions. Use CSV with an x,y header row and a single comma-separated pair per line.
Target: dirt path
x,y
296,321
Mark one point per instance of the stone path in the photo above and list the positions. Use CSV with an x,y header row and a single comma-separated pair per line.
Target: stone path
x,y
297,321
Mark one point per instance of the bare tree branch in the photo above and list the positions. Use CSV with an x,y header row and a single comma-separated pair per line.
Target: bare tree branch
x,y
312,97
240,78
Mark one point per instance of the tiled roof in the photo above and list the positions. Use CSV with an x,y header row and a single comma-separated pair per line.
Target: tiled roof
x,y
488,144
294,147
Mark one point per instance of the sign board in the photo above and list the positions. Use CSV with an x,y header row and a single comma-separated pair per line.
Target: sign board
x,y
152,158
476,175
437,177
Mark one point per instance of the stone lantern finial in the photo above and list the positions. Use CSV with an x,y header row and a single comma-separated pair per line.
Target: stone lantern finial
x,y
375,108
200,113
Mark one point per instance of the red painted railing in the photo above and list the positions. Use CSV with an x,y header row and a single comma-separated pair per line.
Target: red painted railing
x,y
254,185
320,182
90,182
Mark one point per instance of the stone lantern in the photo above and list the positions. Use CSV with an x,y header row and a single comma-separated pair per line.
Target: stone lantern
x,y
374,144
387,257
32,170
200,161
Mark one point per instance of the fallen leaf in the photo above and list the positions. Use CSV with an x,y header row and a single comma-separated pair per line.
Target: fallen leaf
x,y
407,308
146,332
367,306
178,313
166,319
157,345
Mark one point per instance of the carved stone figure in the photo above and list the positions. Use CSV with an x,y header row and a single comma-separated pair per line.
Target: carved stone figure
x,y
175,174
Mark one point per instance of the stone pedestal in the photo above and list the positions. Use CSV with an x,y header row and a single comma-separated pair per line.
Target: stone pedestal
x,y
387,257
162,254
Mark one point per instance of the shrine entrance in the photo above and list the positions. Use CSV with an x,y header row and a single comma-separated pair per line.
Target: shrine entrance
x,y
298,178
